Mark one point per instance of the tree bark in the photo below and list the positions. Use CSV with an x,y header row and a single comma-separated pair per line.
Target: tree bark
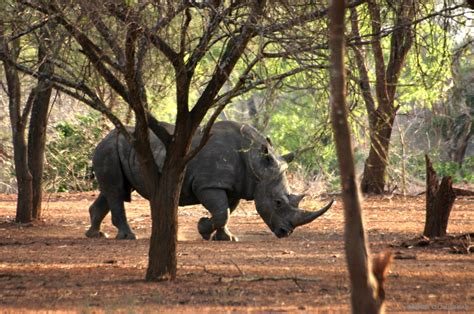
x,y
366,281
162,256
373,180
439,202
38,122
23,175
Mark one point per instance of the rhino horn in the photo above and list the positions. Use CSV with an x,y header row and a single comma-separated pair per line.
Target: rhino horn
x,y
295,199
290,156
304,217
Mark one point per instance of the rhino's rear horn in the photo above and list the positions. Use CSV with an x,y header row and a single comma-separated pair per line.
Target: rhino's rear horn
x,y
295,199
289,157
304,217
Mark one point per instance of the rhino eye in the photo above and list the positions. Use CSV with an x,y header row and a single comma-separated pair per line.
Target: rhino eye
x,y
278,203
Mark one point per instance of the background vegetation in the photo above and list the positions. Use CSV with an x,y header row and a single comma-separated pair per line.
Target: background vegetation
x,y
435,96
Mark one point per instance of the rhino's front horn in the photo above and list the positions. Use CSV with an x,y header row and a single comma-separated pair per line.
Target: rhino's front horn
x,y
303,217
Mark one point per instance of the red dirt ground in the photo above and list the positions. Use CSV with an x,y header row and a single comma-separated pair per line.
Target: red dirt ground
x,y
51,266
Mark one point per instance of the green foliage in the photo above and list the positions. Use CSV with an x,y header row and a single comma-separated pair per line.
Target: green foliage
x,y
69,152
467,170
459,175
416,168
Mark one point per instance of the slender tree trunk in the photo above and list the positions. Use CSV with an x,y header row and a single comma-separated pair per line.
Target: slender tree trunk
x,y
463,130
17,119
20,150
367,292
36,145
23,176
38,122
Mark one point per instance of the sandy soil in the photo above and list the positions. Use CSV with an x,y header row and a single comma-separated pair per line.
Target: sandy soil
x,y
50,266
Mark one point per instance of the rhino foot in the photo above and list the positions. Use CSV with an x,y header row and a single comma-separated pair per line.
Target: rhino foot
x,y
224,234
205,228
126,236
96,234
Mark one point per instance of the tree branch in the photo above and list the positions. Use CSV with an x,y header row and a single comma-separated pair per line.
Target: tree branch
x,y
30,29
104,31
97,104
91,51
302,19
364,82
201,48
184,30
401,42
380,82
232,53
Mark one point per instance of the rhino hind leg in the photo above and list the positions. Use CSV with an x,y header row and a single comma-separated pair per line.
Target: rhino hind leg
x,y
119,218
97,211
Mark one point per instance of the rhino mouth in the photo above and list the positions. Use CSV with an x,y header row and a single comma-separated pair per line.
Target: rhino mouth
x,y
283,232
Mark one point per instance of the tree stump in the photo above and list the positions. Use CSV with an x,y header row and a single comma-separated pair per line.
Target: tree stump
x,y
439,202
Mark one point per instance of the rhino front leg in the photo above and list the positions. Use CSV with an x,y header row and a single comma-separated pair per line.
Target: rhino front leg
x,y
223,234
215,201
97,211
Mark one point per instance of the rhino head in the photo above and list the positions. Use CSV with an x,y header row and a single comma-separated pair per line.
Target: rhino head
x,y
278,208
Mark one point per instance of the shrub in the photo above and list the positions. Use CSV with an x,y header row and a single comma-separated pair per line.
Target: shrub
x,y
69,151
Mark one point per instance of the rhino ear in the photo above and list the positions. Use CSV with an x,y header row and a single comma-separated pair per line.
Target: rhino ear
x,y
266,156
269,141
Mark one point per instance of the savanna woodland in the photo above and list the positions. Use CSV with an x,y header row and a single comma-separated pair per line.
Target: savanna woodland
x,y
245,116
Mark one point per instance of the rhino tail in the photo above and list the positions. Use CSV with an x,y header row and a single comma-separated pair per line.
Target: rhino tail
x,y
126,185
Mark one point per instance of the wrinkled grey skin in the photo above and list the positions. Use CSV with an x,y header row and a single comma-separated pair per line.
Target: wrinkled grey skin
x,y
236,163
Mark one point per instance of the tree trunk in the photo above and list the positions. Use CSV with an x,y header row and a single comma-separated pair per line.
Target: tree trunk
x,y
439,202
462,132
38,123
36,144
17,119
23,176
373,180
20,152
367,294
162,255
381,119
